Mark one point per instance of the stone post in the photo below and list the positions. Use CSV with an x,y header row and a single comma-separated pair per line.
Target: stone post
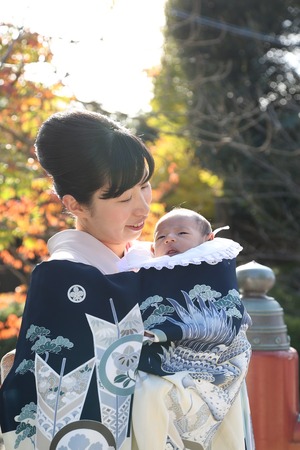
x,y
272,379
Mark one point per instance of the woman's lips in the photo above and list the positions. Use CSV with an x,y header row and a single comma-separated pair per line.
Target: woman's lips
x,y
137,227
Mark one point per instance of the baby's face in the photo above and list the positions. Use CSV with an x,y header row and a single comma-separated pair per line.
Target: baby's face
x,y
175,235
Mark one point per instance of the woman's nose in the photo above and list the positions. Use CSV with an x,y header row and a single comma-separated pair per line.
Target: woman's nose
x,y
142,206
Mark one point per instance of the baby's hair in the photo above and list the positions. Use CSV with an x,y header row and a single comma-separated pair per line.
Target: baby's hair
x,y
204,225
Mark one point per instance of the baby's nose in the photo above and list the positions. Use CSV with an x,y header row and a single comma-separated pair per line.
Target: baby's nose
x,y
170,238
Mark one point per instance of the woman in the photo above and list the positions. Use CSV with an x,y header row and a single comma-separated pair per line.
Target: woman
x,y
82,337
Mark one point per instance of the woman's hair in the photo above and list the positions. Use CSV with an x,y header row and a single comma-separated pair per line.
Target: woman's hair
x,y
84,151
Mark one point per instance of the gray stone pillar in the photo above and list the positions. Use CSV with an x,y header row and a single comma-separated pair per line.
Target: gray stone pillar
x,y
268,330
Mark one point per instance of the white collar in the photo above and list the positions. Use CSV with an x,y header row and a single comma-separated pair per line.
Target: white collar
x,y
79,246
211,252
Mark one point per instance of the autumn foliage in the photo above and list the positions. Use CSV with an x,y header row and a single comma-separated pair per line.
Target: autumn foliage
x,y
29,211
11,308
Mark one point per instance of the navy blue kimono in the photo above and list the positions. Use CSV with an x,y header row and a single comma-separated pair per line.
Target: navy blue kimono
x,y
82,342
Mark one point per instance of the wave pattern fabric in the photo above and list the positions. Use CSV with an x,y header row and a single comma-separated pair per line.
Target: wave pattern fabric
x,y
84,366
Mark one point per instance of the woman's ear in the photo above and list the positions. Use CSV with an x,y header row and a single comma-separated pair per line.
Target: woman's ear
x,y
72,205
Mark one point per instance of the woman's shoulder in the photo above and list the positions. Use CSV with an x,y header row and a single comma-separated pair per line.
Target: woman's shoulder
x,y
80,247
60,268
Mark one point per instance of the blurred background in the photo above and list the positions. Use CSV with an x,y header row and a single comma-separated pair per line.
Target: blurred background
x,y
211,86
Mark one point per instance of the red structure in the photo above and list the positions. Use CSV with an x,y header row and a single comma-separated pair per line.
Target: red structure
x,y
273,376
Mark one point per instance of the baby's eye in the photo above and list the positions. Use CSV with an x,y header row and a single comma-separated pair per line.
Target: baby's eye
x,y
183,232
160,237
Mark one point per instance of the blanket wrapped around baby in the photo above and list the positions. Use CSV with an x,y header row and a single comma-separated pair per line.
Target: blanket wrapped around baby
x,y
153,359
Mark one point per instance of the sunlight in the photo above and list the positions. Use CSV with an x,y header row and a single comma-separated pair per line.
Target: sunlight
x,y
102,50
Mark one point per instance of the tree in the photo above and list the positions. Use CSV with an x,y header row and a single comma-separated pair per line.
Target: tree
x,y
29,212
243,113
232,68
179,179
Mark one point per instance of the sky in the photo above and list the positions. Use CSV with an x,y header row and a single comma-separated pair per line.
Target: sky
x,y
105,46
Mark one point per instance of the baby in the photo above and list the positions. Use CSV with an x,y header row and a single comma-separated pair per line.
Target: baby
x,y
180,232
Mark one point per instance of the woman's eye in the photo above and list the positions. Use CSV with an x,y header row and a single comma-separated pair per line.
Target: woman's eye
x,y
146,185
126,200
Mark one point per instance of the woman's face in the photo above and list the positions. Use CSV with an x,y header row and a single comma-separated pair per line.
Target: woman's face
x,y
117,221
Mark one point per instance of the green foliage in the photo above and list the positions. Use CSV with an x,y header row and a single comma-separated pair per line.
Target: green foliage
x,y
12,308
226,87
293,326
243,111
178,179
287,284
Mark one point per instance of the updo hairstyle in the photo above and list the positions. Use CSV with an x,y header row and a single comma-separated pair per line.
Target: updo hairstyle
x,y
84,151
